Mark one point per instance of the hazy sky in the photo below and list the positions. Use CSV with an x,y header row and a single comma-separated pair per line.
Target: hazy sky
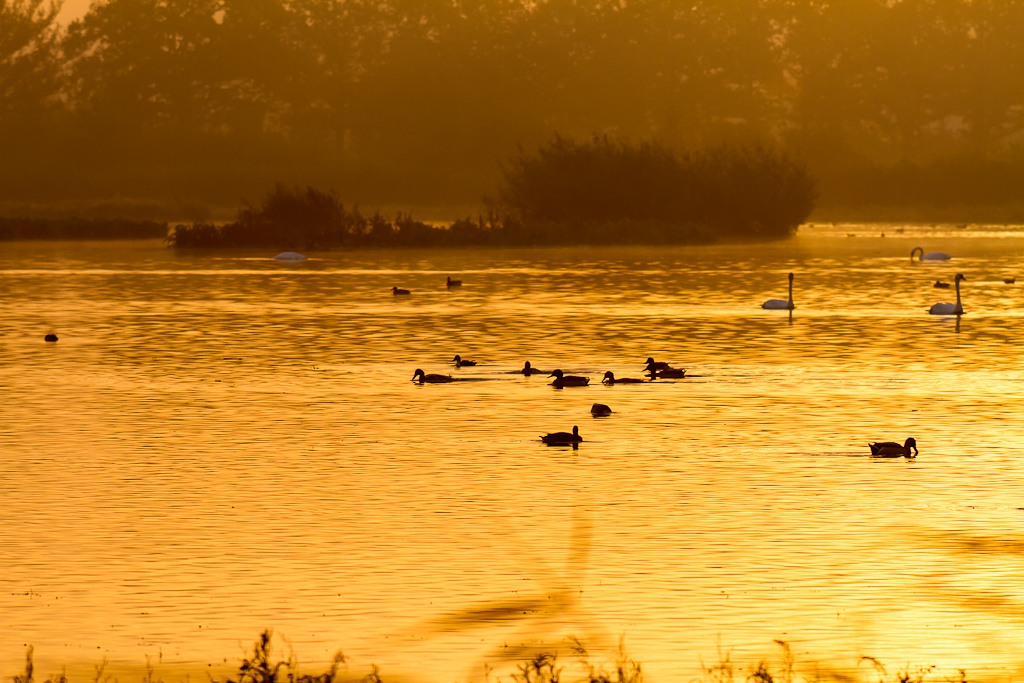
x,y
73,9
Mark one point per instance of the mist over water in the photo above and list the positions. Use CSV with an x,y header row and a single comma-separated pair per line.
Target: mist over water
x,y
220,444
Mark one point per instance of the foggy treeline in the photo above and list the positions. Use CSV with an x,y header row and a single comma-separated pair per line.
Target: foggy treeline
x,y
203,102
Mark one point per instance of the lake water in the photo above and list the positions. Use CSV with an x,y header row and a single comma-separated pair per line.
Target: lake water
x,y
220,444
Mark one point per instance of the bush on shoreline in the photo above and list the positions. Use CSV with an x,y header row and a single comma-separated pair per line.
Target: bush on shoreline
x,y
313,220
467,232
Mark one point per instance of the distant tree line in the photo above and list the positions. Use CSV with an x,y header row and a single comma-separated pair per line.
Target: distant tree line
x,y
79,229
419,100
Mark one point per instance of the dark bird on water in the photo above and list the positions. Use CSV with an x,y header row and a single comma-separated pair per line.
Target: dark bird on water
x,y
418,376
398,292
50,337
563,437
528,370
656,366
463,363
454,283
563,380
939,284
609,378
600,410
891,449
666,373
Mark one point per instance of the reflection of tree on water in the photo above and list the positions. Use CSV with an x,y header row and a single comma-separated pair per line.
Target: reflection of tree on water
x,y
546,622
1003,596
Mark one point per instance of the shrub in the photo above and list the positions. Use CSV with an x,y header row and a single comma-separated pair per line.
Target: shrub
x,y
286,218
736,191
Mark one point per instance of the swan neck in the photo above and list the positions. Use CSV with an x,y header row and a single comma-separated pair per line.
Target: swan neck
x,y
958,293
791,292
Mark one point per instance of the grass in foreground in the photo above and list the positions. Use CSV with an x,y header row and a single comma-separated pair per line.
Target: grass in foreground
x,y
543,667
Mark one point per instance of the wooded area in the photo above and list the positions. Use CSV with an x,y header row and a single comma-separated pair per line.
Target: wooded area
x,y
186,104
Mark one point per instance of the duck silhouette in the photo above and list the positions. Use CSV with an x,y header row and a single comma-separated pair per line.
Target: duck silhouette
x,y
891,449
529,370
422,378
454,283
399,292
563,380
563,437
609,378
463,363
668,373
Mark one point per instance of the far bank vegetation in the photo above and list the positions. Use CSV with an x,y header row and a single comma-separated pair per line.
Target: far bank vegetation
x,y
597,192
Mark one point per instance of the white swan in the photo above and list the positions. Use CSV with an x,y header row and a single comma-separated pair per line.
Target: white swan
x,y
781,304
930,256
950,309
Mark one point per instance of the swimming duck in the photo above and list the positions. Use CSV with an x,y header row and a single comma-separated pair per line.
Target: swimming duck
x,y
939,284
398,292
600,410
527,370
781,304
609,378
948,308
657,366
454,283
1009,280
418,376
668,373
50,337
562,380
563,437
891,449
930,256
463,363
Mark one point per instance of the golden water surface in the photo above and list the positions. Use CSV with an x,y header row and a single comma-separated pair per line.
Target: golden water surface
x,y
220,443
